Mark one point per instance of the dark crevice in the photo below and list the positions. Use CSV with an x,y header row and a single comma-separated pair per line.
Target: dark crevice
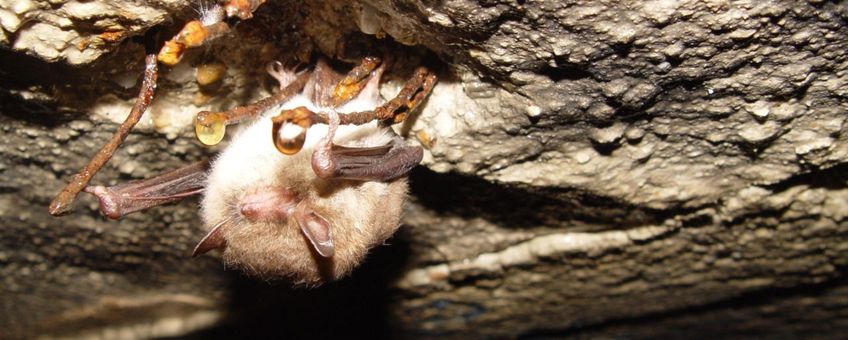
x,y
745,300
687,84
564,72
605,149
33,111
832,178
52,86
622,50
516,206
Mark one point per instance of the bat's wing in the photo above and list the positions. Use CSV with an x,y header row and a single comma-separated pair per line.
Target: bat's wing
x,y
122,199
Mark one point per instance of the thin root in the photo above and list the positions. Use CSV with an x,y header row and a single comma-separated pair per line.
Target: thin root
x,y
63,202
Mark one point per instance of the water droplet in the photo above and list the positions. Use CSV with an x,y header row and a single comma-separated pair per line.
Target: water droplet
x,y
210,131
288,137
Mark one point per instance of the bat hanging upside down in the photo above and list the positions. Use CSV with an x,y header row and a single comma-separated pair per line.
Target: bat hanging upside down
x,y
313,181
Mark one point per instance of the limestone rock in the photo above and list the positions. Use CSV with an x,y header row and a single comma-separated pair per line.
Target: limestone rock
x,y
592,167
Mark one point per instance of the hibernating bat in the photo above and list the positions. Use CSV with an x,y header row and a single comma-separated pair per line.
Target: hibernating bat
x,y
312,180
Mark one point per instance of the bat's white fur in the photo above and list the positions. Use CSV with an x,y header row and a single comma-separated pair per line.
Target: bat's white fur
x,y
362,214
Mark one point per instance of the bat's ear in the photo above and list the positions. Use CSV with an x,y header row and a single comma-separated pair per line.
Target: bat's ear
x,y
213,240
316,229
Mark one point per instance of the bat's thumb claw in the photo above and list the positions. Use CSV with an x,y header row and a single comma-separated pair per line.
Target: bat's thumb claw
x,y
109,203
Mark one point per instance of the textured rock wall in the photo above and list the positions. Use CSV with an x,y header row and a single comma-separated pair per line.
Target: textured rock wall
x,y
598,167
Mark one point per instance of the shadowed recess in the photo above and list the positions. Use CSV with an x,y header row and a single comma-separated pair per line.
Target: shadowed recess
x,y
466,196
355,307
34,96
696,321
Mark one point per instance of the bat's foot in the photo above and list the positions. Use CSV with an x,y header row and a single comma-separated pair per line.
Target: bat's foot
x,y
284,75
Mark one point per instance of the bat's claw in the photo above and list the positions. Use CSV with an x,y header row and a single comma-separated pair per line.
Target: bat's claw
x,y
281,73
109,203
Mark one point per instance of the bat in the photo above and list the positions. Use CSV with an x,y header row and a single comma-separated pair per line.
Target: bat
x,y
314,178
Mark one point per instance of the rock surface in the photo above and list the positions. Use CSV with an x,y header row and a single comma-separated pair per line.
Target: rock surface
x,y
597,168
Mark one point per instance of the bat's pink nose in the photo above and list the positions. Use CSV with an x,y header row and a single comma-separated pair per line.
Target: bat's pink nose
x,y
272,204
